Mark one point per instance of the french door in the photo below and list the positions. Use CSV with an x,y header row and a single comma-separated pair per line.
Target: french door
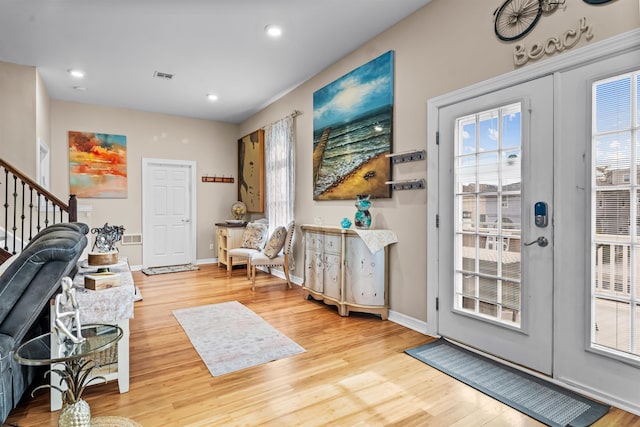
x,y
495,233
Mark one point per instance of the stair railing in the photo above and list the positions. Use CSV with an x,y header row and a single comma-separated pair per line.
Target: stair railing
x,y
28,208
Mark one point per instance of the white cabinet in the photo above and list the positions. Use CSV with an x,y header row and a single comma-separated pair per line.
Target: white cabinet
x,y
341,270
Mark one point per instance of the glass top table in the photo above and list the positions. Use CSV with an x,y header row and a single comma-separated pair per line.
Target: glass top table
x,y
98,337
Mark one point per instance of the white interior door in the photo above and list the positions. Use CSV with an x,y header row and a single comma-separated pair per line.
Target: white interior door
x,y
495,162
168,212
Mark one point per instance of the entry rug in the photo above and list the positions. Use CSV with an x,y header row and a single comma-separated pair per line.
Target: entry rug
x,y
169,269
539,399
230,337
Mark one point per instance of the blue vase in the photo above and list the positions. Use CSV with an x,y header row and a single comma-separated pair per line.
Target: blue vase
x,y
363,217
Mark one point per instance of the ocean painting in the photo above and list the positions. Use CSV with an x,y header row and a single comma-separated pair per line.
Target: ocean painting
x,y
97,165
352,133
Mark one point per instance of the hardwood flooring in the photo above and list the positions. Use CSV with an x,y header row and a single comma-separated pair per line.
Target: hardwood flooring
x,y
354,372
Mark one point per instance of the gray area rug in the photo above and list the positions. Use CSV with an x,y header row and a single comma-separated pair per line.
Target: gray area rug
x,y
542,400
169,269
229,337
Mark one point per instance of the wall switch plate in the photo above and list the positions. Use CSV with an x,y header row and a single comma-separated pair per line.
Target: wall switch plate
x,y
211,246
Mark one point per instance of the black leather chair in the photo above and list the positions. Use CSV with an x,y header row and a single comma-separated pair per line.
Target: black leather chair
x,y
26,287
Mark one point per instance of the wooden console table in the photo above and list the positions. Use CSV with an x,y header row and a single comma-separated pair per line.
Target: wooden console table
x,y
229,237
107,306
348,268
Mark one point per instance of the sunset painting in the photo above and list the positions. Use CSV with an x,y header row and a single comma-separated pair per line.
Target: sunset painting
x,y
97,165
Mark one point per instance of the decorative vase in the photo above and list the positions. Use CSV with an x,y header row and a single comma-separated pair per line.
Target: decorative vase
x,y
363,217
75,415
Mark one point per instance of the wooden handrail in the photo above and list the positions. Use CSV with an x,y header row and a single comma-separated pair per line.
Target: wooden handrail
x,y
40,189
21,214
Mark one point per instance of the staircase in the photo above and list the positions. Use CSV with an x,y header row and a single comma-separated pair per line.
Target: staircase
x,y
27,209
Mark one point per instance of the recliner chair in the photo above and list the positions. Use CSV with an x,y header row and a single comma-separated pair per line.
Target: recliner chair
x,y
26,287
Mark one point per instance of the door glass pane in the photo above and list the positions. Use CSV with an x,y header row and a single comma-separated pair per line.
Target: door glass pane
x,y
487,243
615,198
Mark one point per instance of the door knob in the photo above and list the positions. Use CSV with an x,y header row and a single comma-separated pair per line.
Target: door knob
x,y
541,241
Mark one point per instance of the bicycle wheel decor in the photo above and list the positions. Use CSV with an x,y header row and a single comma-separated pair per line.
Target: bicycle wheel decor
x,y
515,18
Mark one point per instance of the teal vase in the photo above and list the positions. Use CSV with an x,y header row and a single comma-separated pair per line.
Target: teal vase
x,y
363,216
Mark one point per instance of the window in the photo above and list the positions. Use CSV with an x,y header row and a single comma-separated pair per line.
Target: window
x,y
488,155
615,228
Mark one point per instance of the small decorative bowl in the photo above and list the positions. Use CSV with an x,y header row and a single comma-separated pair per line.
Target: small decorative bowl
x,y
345,223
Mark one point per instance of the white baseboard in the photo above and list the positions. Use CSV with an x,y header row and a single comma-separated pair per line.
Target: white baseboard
x,y
408,322
207,261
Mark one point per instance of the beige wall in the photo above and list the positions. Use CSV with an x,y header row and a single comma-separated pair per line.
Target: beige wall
x,y
446,45
18,116
213,145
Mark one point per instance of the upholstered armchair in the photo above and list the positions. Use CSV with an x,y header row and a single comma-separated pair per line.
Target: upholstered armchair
x,y
253,240
275,254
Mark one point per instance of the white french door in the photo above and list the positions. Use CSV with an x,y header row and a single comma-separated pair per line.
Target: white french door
x,y
577,314
495,162
168,212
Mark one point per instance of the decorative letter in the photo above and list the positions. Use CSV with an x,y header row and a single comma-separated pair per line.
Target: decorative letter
x,y
520,55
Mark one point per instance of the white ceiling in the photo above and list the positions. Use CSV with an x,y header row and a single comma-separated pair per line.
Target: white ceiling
x,y
212,46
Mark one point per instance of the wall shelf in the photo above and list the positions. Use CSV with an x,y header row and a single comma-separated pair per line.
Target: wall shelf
x,y
408,184
407,156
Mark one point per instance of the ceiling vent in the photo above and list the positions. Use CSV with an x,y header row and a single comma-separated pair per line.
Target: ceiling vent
x,y
161,75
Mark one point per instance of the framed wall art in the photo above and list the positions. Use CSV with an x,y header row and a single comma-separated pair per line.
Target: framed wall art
x,y
97,165
251,171
352,133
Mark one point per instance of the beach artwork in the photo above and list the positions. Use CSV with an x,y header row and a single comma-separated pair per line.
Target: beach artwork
x,y
251,171
97,165
352,133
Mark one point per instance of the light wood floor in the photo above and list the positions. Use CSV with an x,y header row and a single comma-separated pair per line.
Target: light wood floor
x,y
354,372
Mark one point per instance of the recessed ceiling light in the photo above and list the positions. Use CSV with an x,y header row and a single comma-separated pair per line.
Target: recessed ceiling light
x,y
273,30
212,97
78,74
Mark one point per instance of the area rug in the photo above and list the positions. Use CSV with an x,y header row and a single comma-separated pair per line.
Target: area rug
x,y
230,337
137,296
539,399
169,269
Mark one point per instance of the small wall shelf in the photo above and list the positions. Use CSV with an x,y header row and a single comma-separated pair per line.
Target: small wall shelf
x,y
407,184
407,156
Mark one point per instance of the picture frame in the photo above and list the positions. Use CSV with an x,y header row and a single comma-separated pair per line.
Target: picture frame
x,y
251,171
353,133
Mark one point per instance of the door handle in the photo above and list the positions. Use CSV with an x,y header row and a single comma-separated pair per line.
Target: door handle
x,y
185,220
541,241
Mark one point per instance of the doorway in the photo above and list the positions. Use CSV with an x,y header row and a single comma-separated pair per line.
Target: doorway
x,y
586,265
168,212
495,164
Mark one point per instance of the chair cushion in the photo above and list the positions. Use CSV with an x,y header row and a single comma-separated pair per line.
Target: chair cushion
x,y
254,236
242,252
276,242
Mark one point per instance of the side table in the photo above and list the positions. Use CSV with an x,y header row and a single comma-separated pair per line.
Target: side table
x,y
108,306
76,373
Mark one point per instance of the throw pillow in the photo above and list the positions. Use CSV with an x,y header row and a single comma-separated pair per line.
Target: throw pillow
x,y
254,236
276,242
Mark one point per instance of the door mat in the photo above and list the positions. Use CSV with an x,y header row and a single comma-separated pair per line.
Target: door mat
x,y
533,396
169,269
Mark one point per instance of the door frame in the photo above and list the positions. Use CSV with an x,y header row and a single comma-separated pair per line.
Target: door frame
x,y
146,223
596,51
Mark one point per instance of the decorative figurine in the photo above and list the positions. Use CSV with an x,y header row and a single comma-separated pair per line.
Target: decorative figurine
x,y
345,223
67,320
107,237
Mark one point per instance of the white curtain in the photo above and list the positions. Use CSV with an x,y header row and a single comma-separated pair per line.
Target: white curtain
x,y
280,169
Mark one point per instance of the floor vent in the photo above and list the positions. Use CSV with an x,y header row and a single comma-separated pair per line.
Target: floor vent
x,y
131,239
161,75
